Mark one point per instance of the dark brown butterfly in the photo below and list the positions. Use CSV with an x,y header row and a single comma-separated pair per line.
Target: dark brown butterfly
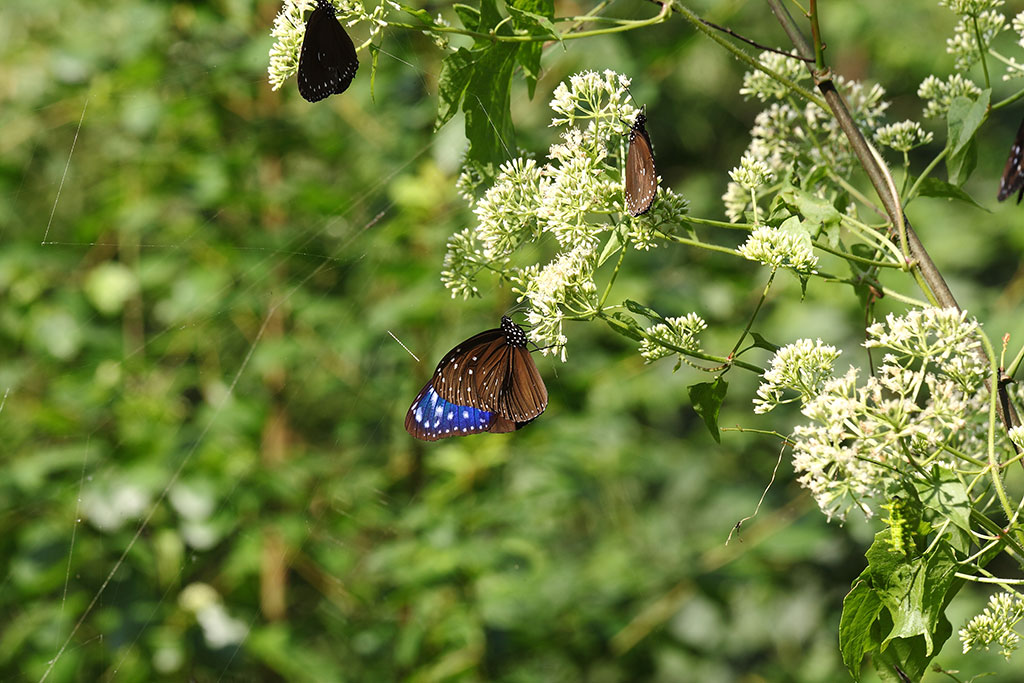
x,y
641,178
1013,174
327,61
488,383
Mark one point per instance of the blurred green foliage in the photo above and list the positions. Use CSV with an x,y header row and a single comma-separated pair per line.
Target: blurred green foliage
x,y
206,474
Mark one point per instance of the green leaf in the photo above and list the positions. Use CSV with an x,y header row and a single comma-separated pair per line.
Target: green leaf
x,y
610,248
469,16
640,309
533,17
487,104
962,121
820,213
944,493
861,607
934,187
421,14
910,655
915,595
624,325
707,398
456,70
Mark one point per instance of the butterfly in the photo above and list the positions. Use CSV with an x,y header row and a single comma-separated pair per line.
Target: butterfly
x,y
1013,174
641,179
488,383
327,61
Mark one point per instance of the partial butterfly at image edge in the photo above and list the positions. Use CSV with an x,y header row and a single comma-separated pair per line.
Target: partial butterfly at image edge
x,y
641,178
327,60
1013,173
488,383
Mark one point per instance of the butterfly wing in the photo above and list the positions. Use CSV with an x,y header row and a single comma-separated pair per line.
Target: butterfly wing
x,y
502,376
459,376
641,178
431,418
327,61
1013,173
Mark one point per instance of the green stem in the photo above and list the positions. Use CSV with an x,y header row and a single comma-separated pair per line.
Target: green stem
x,y
753,316
695,243
981,51
993,462
615,273
924,174
614,322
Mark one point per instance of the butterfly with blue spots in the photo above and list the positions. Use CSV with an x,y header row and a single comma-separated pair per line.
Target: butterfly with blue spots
x,y
488,383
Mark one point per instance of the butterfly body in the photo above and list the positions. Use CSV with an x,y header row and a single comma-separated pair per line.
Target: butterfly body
x,y
641,178
1013,174
327,61
488,383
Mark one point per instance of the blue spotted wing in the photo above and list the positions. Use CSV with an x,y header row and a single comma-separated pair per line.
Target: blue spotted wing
x,y
488,383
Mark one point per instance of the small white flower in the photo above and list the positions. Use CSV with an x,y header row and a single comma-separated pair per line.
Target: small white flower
x,y
679,332
751,173
903,136
964,43
995,624
940,94
780,249
803,366
764,87
970,8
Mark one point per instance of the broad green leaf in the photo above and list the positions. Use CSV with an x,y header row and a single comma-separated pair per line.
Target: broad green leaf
x,y
707,398
487,104
469,16
910,654
860,610
456,70
819,212
533,17
944,493
934,187
962,121
915,595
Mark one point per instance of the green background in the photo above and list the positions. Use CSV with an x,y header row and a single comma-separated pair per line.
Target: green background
x,y
197,281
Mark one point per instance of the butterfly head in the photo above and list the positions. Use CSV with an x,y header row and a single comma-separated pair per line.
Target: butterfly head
x,y
514,335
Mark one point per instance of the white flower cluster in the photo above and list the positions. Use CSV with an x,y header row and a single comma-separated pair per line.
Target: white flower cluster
x,y
803,366
1015,69
927,399
970,8
780,249
508,210
565,198
995,624
760,85
680,333
964,43
751,173
567,281
290,28
903,136
940,94
798,142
